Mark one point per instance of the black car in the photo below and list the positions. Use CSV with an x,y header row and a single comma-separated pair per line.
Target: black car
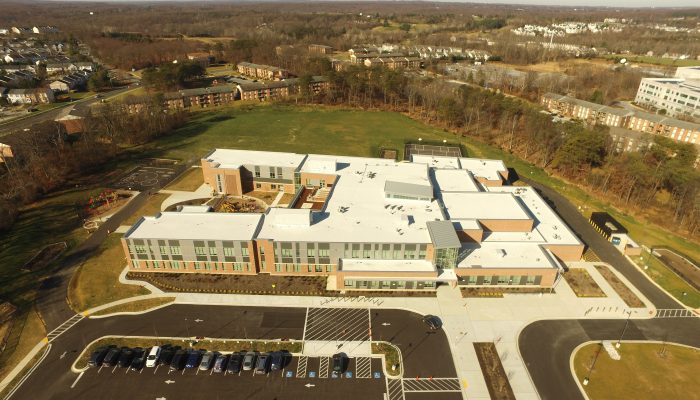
x,y
234,363
433,322
125,357
262,366
98,356
179,359
339,362
277,359
139,359
166,355
112,357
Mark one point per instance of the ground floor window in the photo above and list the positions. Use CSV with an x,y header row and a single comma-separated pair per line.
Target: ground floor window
x,y
278,268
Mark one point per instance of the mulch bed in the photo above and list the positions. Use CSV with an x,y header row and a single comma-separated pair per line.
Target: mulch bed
x,y
45,256
620,288
582,283
496,292
494,374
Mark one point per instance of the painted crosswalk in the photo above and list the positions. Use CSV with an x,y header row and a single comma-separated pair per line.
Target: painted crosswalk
x,y
674,313
363,367
394,389
64,327
431,385
346,324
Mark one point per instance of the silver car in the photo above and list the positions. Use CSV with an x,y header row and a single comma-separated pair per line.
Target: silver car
x,y
249,361
207,361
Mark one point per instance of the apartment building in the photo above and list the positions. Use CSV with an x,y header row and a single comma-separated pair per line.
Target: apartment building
x,y
677,96
260,71
320,49
365,223
394,62
30,96
638,121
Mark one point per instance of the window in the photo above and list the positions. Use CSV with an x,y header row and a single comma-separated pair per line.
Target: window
x,y
140,249
244,251
397,254
197,266
258,186
287,253
273,175
355,253
163,249
323,253
385,254
200,250
212,251
310,268
237,267
228,252
531,279
297,268
308,182
257,171
311,252
135,263
278,268
349,283
175,250
366,253
409,254
329,268
175,264
322,183
319,268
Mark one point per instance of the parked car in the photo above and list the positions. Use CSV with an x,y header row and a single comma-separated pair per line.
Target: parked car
x,y
112,357
153,356
98,356
220,363
277,359
178,361
139,359
433,322
339,362
207,361
166,355
234,363
263,364
249,361
193,358
125,357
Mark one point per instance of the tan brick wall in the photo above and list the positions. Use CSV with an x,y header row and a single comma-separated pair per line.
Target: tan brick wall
x,y
330,179
567,252
267,187
471,235
507,225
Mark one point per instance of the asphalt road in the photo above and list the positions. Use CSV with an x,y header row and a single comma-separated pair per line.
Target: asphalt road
x,y
51,298
425,353
604,249
546,346
35,118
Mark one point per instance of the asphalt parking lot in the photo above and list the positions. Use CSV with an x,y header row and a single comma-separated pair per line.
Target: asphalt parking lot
x,y
302,378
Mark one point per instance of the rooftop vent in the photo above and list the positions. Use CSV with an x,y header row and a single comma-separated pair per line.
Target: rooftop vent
x,y
501,253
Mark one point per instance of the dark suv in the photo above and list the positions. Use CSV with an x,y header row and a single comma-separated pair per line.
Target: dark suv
x,y
98,356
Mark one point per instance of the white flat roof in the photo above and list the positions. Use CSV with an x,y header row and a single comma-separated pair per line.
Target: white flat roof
x,y
196,226
367,265
483,168
232,158
358,211
483,205
506,255
547,222
436,161
455,180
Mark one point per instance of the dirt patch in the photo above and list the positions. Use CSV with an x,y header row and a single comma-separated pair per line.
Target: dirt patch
x,y
235,205
267,197
496,292
45,256
620,288
494,374
582,284
390,154
681,266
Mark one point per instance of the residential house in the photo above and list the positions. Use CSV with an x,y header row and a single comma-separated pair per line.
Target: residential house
x,y
22,30
74,81
30,96
260,71
72,119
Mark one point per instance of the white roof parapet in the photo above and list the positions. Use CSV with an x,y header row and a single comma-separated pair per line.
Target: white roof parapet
x,y
197,226
289,217
233,158
370,265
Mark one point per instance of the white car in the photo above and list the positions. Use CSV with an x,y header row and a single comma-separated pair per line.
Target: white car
x,y
153,356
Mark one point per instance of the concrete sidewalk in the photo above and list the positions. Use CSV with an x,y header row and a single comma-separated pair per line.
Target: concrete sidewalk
x,y
178,196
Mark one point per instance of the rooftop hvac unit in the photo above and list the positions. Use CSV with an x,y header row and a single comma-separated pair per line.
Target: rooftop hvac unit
x,y
501,253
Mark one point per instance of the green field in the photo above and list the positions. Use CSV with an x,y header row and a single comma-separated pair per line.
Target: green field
x,y
668,279
643,372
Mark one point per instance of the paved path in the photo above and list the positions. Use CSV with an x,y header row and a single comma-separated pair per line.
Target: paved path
x,y
546,346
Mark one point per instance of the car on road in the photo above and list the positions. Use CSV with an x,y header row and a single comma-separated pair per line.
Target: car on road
x,y
249,360
98,356
262,366
193,358
125,357
207,361
339,362
220,363
112,357
153,356
433,322
277,360
235,362
166,355
139,359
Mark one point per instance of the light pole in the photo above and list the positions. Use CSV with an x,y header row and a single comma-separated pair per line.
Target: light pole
x,y
627,321
588,377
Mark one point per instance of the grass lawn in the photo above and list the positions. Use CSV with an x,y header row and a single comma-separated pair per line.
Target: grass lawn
x,y
96,281
668,279
642,373
225,69
27,331
391,356
139,305
151,207
189,181
136,92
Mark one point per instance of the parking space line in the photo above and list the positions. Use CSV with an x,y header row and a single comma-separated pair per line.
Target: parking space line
x,y
337,324
323,367
76,380
363,367
431,385
301,366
